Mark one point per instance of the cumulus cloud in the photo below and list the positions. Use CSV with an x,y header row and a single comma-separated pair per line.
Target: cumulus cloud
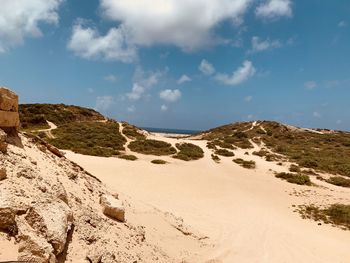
x,y
274,9
186,24
206,68
20,19
170,95
342,24
110,78
142,82
164,108
86,42
103,103
239,76
310,85
183,79
316,114
259,45
132,108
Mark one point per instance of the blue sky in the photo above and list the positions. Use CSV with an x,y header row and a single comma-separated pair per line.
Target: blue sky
x,y
183,64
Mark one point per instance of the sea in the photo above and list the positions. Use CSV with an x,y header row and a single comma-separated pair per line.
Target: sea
x,y
171,131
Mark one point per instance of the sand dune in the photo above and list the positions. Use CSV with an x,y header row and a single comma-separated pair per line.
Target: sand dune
x,y
246,215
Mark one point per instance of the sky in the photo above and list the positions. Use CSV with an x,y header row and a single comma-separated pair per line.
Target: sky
x,y
187,64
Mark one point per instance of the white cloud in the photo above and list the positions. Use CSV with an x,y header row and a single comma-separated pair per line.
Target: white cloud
x,y
103,103
206,68
86,42
248,99
142,82
20,19
91,90
342,24
170,95
185,24
110,78
310,85
316,114
183,79
241,75
164,108
132,108
274,9
259,45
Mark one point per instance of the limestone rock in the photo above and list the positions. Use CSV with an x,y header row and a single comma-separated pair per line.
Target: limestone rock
x,y
52,219
3,174
32,247
7,214
8,100
3,144
59,192
9,117
112,207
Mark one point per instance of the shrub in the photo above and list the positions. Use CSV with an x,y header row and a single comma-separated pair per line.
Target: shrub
x,y
158,161
224,152
300,179
215,158
128,157
245,164
132,132
152,147
294,168
336,214
339,181
188,152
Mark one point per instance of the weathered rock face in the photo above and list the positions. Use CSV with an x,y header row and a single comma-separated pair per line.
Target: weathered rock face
x,y
9,117
112,207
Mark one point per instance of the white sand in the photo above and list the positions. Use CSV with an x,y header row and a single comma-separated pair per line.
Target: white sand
x,y
247,214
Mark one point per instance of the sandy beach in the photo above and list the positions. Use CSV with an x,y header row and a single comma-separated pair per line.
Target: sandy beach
x,y
244,215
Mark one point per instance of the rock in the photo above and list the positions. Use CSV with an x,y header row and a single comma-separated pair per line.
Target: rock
x,y
59,192
32,247
3,174
112,207
9,117
52,219
3,144
55,151
8,100
7,214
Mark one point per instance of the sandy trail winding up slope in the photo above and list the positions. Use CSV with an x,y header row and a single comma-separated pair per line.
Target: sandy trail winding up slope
x,y
247,214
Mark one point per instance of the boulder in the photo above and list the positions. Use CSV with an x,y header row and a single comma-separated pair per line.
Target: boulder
x,y
7,213
52,219
8,100
112,207
3,174
9,117
32,247
3,143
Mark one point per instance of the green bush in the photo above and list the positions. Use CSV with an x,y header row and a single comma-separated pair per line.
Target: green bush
x,y
188,152
158,161
215,158
128,157
244,163
339,181
294,168
152,147
300,179
224,152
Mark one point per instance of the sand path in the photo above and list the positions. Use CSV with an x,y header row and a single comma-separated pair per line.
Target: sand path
x,y
247,214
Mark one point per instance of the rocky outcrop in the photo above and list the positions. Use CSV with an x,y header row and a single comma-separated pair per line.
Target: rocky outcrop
x,y
51,219
112,207
3,144
3,174
9,117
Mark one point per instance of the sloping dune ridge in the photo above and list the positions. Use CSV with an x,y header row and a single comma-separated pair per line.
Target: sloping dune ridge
x,y
218,201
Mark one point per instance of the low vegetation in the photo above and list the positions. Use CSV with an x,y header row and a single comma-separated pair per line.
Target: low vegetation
x,y
128,157
224,152
152,147
34,116
215,158
336,214
158,161
245,164
89,138
324,152
294,168
300,179
132,132
188,152
339,181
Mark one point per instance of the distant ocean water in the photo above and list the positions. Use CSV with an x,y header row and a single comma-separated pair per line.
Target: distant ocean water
x,y
172,131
